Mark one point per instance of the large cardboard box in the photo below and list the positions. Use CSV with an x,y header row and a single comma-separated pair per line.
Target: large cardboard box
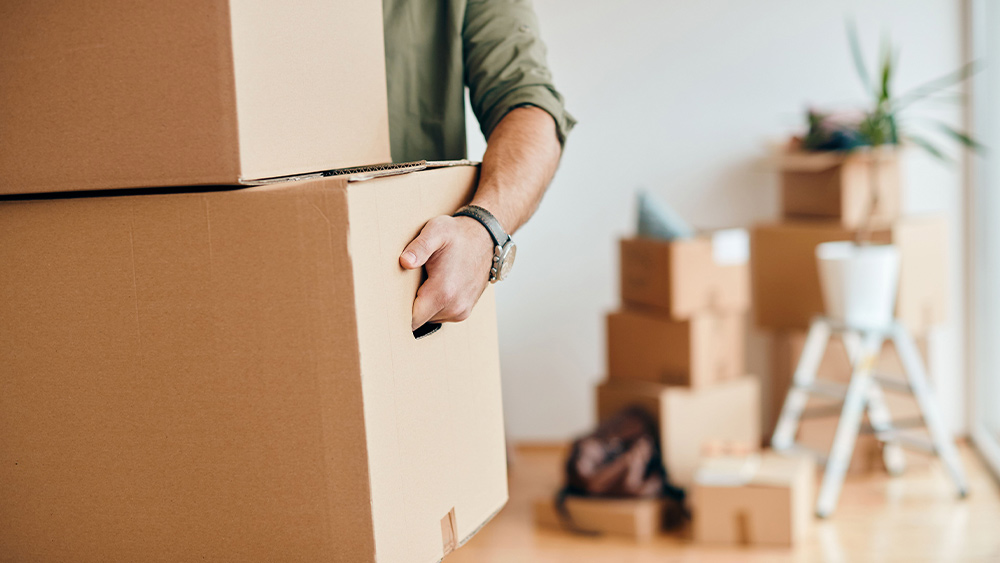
x,y
838,186
231,376
682,277
639,519
786,287
119,94
688,419
771,504
817,433
703,350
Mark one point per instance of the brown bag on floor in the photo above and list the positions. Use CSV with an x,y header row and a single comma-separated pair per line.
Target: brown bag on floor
x,y
618,460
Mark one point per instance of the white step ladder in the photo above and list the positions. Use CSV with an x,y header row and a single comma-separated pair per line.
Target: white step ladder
x,y
863,393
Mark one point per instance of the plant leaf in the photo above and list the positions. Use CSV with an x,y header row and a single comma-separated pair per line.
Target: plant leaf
x,y
859,60
961,137
928,146
933,86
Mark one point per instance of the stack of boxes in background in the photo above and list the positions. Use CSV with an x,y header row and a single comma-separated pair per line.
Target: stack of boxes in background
x,y
676,348
225,373
825,198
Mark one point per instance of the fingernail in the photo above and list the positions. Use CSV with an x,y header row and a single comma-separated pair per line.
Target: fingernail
x,y
410,257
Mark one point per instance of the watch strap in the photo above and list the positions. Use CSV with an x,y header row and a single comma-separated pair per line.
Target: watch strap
x,y
500,237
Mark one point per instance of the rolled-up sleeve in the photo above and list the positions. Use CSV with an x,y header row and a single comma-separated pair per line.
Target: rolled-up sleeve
x,y
505,64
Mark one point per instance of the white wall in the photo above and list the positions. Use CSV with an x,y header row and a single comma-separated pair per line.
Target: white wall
x,y
682,98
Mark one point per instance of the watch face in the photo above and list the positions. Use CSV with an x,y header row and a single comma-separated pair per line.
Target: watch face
x,y
507,260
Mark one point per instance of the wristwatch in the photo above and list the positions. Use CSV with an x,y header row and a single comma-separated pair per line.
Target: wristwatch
x,y
504,249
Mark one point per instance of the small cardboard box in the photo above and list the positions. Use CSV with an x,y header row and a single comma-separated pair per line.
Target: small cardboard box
x,y
786,289
817,433
838,186
231,376
639,519
108,95
705,349
768,505
687,418
678,278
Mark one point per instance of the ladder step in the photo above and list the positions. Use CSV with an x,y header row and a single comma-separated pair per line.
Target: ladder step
x,y
798,449
825,389
826,411
893,384
907,440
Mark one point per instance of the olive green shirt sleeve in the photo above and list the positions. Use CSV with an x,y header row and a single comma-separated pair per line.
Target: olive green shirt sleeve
x,y
505,64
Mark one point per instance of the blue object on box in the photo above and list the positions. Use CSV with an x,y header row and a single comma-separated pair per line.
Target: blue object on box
x,y
657,220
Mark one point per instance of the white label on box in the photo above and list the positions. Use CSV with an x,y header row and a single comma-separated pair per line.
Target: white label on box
x,y
731,246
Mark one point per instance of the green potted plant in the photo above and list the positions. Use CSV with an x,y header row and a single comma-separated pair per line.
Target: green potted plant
x,y
859,279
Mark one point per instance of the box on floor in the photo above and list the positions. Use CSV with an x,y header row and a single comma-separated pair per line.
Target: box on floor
x,y
705,349
769,504
231,376
709,272
786,290
639,519
194,92
817,433
837,186
687,418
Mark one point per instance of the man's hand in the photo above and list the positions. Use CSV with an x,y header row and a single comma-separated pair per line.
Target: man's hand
x,y
458,254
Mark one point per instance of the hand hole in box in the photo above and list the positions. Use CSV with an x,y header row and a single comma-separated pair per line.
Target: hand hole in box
x,y
426,330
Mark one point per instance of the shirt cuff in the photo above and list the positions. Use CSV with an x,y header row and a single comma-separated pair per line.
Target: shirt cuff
x,y
536,95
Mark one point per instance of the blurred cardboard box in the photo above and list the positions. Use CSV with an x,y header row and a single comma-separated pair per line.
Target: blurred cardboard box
x,y
837,186
786,287
682,277
639,519
231,376
768,502
700,351
687,418
138,94
817,433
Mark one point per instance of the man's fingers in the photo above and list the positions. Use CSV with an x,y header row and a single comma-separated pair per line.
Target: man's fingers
x,y
420,249
429,302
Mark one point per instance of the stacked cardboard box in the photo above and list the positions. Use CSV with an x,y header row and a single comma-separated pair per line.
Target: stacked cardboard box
x,y
676,349
763,500
825,198
225,373
676,346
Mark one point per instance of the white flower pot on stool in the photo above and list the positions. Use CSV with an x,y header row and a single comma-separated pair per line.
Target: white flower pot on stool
x,y
859,282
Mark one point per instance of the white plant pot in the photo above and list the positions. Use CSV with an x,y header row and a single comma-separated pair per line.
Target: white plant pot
x,y
859,283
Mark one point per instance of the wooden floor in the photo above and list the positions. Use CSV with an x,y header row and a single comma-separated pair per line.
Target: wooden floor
x,y
912,518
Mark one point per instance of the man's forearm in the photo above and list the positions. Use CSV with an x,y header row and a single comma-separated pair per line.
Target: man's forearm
x,y
522,155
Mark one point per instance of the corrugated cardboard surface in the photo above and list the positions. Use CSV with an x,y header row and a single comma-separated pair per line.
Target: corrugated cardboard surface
x,y
786,288
706,349
774,508
639,519
120,94
689,418
435,420
215,376
679,278
840,191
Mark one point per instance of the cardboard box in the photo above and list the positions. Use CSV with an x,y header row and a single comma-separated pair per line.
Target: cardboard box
x,y
786,287
687,419
231,376
639,519
682,277
817,433
771,505
196,92
838,186
703,350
